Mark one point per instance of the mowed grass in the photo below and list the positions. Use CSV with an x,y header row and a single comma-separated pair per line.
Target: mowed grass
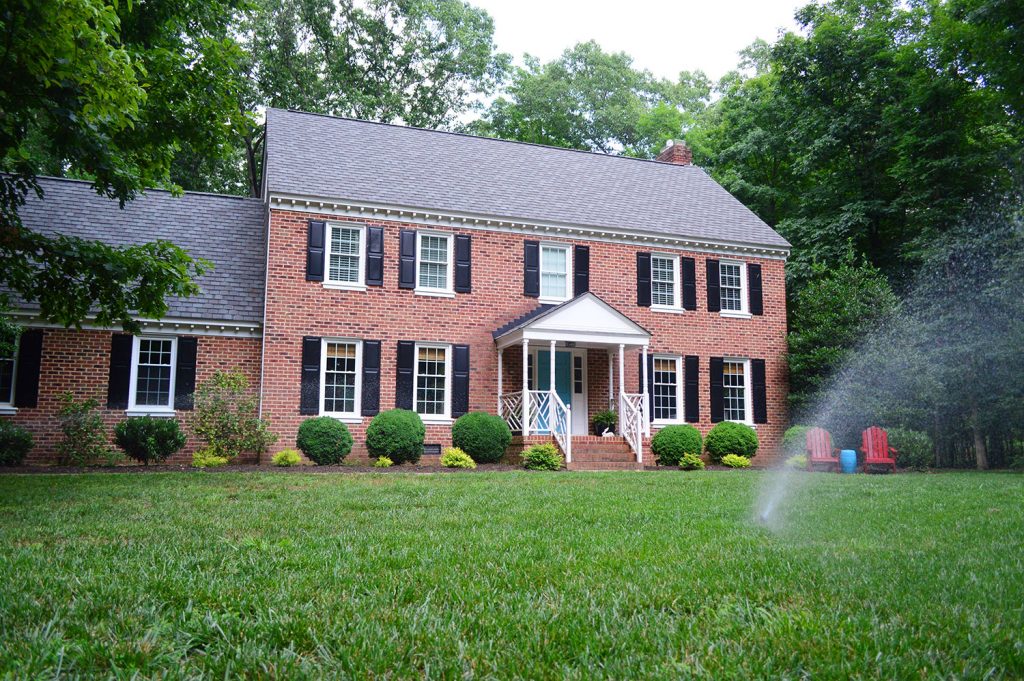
x,y
619,575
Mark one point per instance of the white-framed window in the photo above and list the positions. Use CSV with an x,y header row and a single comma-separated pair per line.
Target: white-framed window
x,y
434,271
555,272
346,248
340,377
732,284
432,400
154,359
7,365
735,390
667,406
665,281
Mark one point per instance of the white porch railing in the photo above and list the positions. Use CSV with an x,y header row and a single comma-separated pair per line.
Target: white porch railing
x,y
631,421
546,414
510,408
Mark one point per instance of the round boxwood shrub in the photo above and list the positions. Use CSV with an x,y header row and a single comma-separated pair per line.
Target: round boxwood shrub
x,y
15,443
794,440
671,442
324,440
730,438
481,435
914,449
397,434
149,438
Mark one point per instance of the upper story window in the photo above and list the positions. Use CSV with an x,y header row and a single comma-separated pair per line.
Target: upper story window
x,y
668,386
433,371
734,390
434,262
664,281
345,255
339,367
732,286
6,381
152,378
554,272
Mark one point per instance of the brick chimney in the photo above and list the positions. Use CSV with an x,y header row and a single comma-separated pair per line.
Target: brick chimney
x,y
676,152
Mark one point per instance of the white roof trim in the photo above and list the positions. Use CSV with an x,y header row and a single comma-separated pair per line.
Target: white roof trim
x,y
190,327
585,320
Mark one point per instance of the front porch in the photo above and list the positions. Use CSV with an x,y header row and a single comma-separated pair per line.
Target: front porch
x,y
558,365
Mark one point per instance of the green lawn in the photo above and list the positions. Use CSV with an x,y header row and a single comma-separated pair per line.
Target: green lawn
x,y
618,575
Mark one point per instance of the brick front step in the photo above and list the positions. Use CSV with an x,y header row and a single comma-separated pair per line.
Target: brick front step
x,y
587,455
602,454
604,466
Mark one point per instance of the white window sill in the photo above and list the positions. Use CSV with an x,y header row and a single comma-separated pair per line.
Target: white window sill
x,y
667,308
662,424
159,413
742,423
343,286
434,293
344,418
735,314
435,420
8,410
551,301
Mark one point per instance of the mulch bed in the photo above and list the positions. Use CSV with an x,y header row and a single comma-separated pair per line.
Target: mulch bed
x,y
252,468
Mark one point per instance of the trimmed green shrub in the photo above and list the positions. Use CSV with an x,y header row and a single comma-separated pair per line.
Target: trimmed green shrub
x,y
85,437
605,420
15,444
208,458
691,462
149,438
481,435
544,457
383,462
226,417
735,461
797,461
671,443
286,457
453,457
324,440
730,438
794,440
397,434
914,449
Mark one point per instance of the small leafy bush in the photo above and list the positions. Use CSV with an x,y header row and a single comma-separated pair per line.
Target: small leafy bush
x,y
383,462
798,461
286,457
914,449
691,462
794,440
149,438
483,436
671,443
397,434
453,457
730,438
605,420
545,457
15,444
208,458
735,461
84,441
226,417
324,440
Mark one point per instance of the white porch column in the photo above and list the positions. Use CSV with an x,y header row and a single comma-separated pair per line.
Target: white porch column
x,y
622,368
611,383
551,389
645,392
501,360
526,387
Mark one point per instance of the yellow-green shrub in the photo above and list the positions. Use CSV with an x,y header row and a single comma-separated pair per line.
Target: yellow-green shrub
x,y
453,457
286,457
735,461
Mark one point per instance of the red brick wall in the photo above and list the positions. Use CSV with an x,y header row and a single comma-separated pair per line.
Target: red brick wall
x,y
79,361
297,308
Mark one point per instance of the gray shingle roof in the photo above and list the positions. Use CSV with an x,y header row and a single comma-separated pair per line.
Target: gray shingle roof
x,y
226,230
340,158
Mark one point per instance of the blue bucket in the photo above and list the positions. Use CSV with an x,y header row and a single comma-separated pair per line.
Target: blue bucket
x,y
848,461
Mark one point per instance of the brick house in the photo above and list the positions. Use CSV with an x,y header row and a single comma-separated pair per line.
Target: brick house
x,y
390,266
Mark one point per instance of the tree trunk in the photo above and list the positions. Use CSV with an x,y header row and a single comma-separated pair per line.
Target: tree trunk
x,y
980,451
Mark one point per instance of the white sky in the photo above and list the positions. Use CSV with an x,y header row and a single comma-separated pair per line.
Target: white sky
x,y
662,36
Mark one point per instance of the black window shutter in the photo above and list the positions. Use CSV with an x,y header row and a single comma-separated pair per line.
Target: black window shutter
x,y
754,294
404,374
374,256
717,401
309,402
120,371
371,378
30,356
315,250
407,258
581,270
691,379
185,373
643,279
688,268
714,295
463,264
460,380
531,269
649,388
760,395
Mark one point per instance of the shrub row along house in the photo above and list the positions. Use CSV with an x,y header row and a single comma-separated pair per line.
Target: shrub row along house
x,y
389,266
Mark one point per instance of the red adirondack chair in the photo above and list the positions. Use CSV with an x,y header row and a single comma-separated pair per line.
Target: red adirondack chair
x,y
820,451
877,451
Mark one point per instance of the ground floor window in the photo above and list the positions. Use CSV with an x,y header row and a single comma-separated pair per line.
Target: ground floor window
x,y
734,389
340,379
153,373
667,385
6,381
432,373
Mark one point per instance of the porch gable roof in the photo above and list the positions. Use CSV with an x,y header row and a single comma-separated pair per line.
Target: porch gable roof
x,y
585,319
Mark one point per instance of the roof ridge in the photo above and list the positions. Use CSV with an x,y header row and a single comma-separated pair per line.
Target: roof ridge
x,y
74,180
454,133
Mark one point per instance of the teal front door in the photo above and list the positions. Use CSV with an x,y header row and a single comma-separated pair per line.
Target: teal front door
x,y
563,382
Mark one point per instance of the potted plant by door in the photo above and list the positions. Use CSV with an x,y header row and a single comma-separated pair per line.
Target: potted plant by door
x,y
604,420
